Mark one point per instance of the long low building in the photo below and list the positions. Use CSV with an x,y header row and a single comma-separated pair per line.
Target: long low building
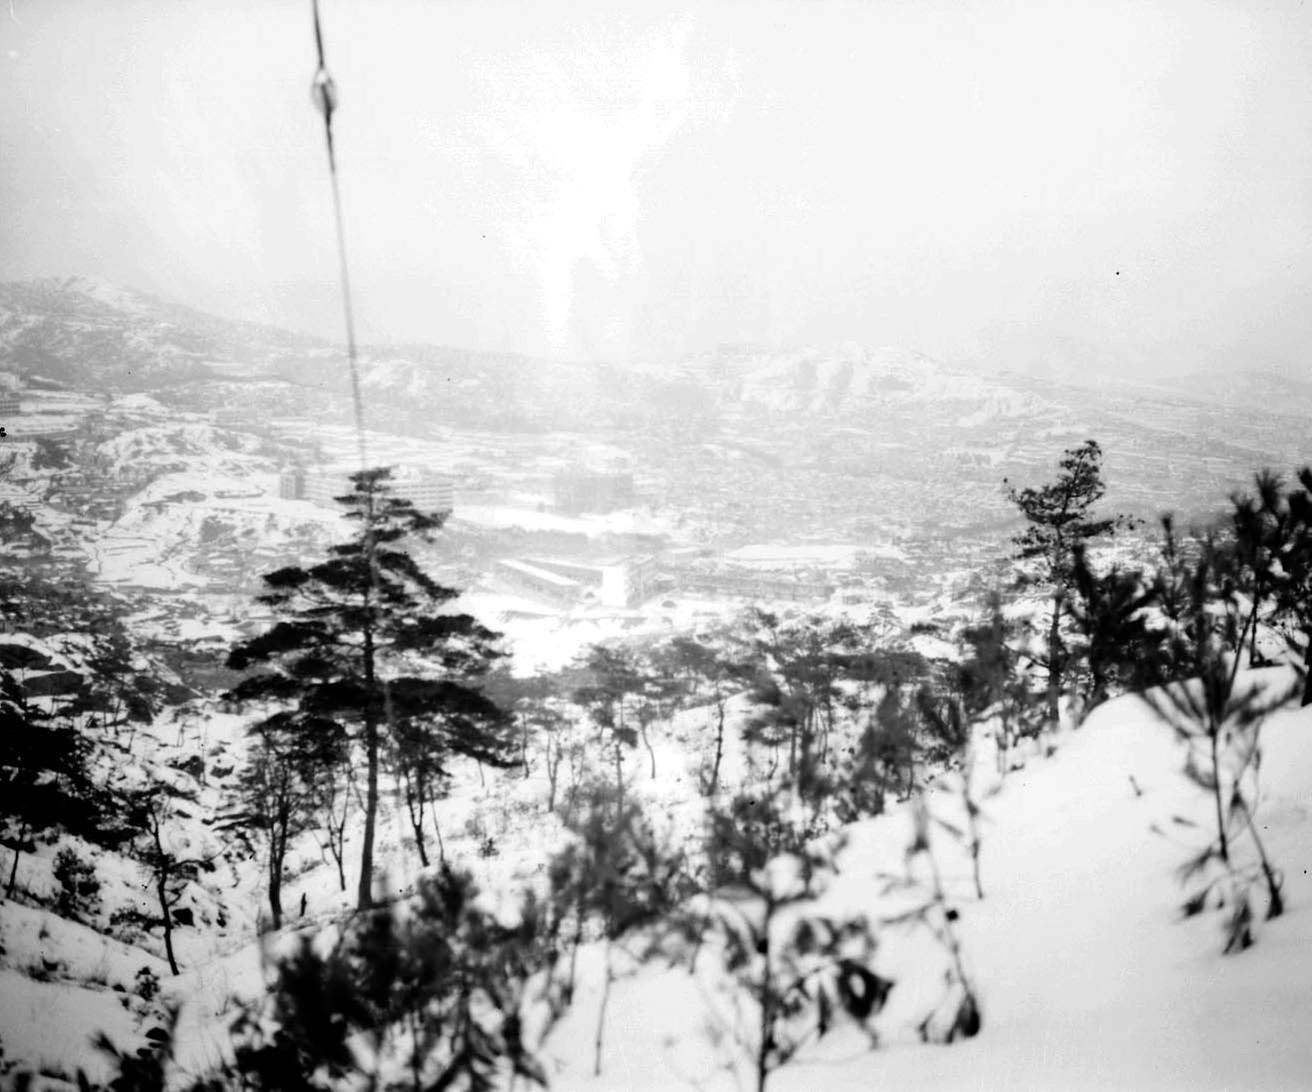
x,y
541,582
617,582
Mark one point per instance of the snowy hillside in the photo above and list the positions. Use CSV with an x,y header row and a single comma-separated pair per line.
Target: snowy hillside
x,y
1086,974
85,331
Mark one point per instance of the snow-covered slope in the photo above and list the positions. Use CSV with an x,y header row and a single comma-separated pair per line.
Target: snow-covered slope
x,y
85,331
854,380
1087,976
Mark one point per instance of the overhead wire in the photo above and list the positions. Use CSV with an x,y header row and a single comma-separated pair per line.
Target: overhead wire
x,y
323,91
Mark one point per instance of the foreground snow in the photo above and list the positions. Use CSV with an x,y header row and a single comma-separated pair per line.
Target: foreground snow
x,y
1087,976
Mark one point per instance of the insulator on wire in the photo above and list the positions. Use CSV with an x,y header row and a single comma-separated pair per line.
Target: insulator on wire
x,y
323,93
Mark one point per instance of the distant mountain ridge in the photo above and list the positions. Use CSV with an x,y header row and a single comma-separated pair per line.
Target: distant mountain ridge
x,y
848,414
89,333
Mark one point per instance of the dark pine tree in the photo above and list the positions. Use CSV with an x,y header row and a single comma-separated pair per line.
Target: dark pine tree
x,y
364,640
1280,554
45,781
611,678
1060,518
1110,612
1260,525
723,672
989,678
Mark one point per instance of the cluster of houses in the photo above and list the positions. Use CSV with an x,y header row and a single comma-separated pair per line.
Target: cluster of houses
x,y
746,584
576,491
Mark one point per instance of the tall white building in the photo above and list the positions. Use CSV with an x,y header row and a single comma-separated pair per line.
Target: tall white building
x,y
427,491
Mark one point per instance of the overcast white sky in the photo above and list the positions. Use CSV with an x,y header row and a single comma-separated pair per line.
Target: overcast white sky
x,y
1113,186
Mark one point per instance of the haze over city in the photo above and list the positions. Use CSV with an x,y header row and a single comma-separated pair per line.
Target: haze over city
x,y
1105,189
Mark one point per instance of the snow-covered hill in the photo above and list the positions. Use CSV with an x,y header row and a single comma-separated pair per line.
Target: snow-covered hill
x,y
852,380
1087,973
1088,977
84,331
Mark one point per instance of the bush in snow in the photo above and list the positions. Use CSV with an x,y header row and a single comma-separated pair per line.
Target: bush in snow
x,y
145,1069
1219,721
617,873
78,897
957,1014
428,994
795,965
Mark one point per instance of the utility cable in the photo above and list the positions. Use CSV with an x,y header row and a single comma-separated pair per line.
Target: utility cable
x,y
323,91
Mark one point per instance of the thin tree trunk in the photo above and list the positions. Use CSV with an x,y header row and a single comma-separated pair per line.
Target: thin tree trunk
x,y
13,868
162,892
619,776
337,838
1252,645
1054,662
972,817
275,887
416,818
1216,794
168,930
1307,673
793,731
365,890
767,1003
553,773
642,728
719,746
277,854
441,845
601,1014
574,948
1275,901
425,801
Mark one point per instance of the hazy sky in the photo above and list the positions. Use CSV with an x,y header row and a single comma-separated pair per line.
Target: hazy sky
x,y
1107,186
